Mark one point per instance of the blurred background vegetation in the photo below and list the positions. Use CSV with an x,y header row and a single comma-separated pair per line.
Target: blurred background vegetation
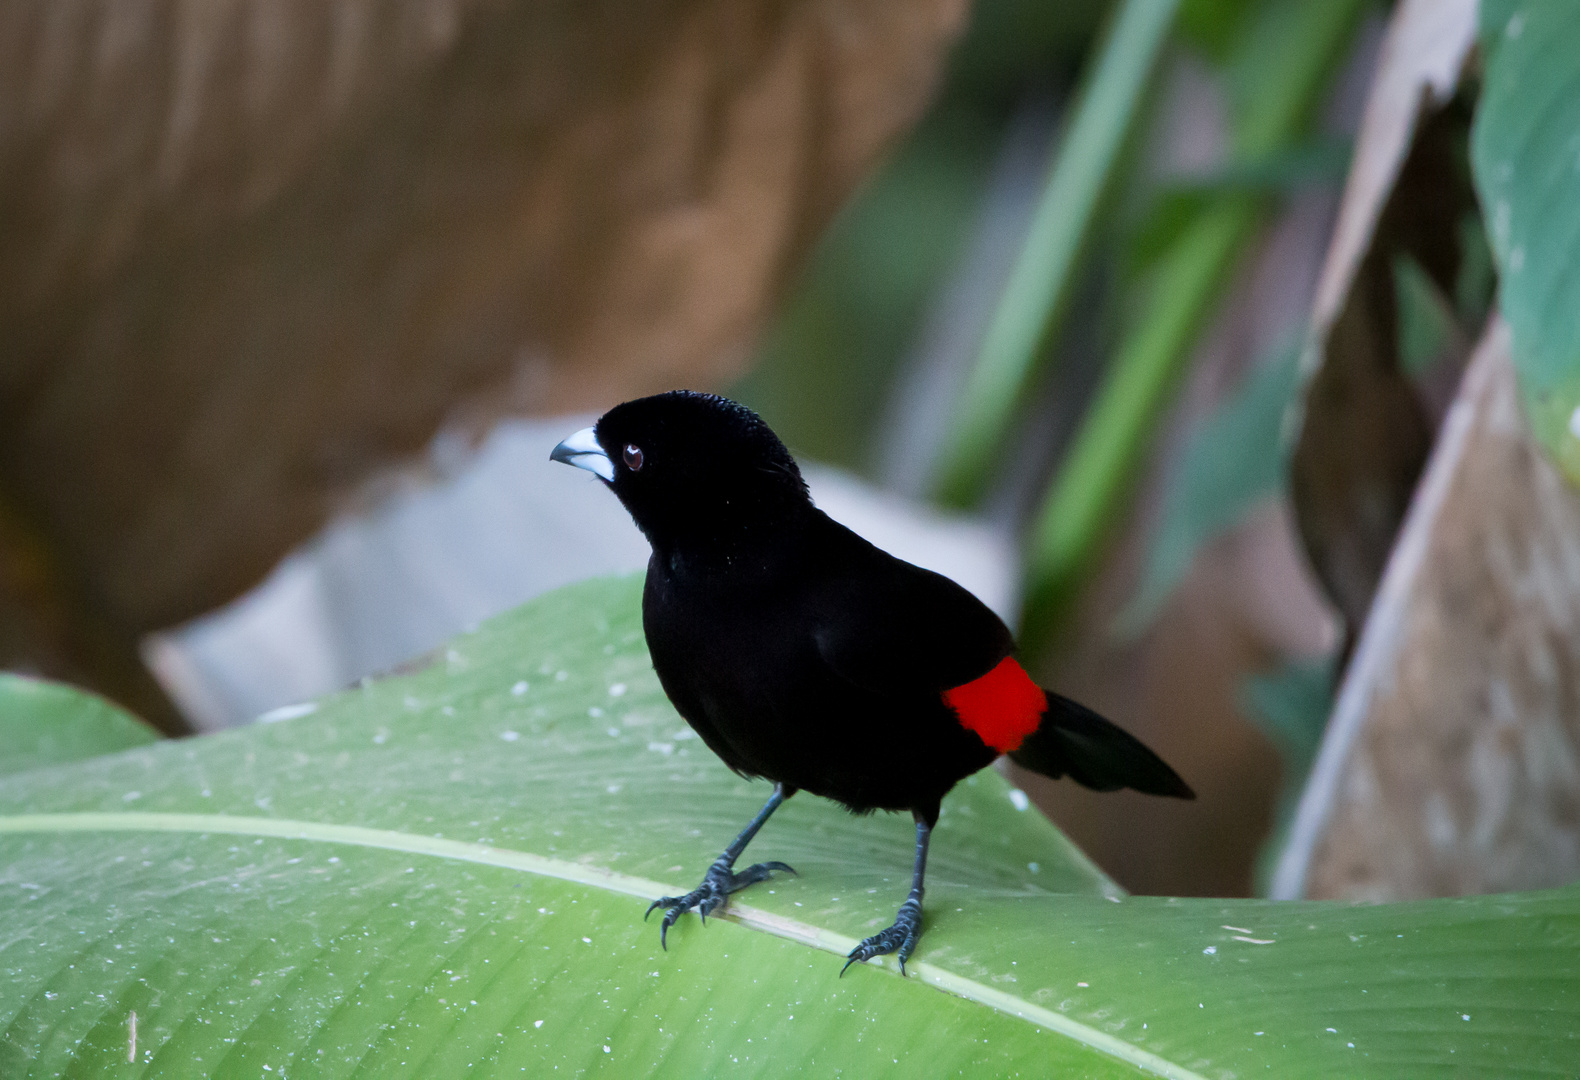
x,y
1063,274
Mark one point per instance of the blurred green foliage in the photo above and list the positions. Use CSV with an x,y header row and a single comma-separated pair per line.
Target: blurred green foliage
x,y
827,364
1290,704
1426,322
1212,27
1232,463
1276,73
1315,162
1031,307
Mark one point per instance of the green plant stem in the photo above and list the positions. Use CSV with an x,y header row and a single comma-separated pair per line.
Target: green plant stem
x,y
1278,73
1039,284
1114,434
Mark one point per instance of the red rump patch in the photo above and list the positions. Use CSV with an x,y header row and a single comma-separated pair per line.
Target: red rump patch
x,y
1003,706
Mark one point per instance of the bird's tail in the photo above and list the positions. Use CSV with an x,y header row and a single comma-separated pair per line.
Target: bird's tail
x,y
1074,741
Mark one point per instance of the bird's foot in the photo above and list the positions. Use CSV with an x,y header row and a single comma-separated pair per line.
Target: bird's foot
x,y
900,938
714,892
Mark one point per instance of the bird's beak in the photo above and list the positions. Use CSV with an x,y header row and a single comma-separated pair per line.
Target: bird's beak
x,y
582,450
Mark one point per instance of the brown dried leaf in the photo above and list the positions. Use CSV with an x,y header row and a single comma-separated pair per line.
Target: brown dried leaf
x,y
257,250
1452,762
1364,433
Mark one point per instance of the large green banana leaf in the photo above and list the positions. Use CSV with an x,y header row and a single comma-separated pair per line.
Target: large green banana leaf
x,y
443,874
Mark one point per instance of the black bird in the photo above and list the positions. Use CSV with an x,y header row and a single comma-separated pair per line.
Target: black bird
x,y
803,654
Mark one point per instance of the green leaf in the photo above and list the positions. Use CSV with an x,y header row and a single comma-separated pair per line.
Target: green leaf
x,y
1317,161
1214,25
1231,463
1041,282
828,360
1477,279
1280,65
1525,153
1095,475
443,874
1426,321
1291,705
1494,16
45,723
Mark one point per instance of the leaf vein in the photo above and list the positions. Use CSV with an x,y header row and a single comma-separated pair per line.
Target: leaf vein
x,y
596,877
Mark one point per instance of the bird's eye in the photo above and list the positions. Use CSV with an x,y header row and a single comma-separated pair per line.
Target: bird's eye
x,y
633,457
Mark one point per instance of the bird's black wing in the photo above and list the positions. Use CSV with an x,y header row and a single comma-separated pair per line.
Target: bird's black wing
x,y
891,627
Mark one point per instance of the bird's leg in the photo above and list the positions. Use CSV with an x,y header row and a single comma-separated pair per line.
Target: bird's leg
x,y
721,878
902,936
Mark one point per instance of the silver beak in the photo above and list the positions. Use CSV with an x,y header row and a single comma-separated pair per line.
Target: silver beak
x,y
582,450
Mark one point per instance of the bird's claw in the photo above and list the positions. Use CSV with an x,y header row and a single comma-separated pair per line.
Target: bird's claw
x,y
900,938
714,892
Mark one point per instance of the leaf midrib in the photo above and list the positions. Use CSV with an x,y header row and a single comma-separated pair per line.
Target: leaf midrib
x,y
595,877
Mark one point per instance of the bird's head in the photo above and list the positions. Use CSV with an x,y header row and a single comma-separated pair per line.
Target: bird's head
x,y
695,470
